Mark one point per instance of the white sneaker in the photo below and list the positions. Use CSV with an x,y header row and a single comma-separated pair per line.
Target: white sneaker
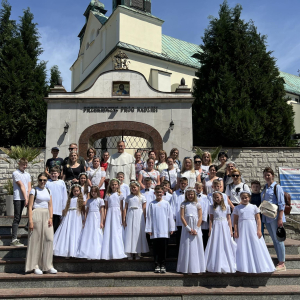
x,y
52,271
137,257
38,272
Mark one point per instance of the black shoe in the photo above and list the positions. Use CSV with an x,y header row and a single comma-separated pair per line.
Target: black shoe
x,y
157,269
163,269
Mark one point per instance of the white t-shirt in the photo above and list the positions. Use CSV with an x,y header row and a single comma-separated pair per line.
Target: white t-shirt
x,y
191,177
205,168
42,197
97,177
173,174
24,177
234,191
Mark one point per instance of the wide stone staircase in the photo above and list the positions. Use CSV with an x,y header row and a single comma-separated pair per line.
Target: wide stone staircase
x,y
135,279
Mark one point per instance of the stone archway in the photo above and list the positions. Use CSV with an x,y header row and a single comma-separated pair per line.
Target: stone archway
x,y
107,129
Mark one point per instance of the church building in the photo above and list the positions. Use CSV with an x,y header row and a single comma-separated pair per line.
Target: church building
x,y
130,81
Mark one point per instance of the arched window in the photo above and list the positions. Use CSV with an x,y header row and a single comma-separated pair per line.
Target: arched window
x,y
92,36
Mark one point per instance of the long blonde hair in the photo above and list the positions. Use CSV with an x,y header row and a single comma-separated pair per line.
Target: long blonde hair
x,y
80,202
189,190
139,195
209,155
109,190
183,165
222,204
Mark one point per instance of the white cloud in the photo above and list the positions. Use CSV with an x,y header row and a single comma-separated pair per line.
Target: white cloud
x,y
59,50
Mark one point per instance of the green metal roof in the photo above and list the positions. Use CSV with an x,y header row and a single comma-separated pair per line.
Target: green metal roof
x,y
101,17
291,83
141,12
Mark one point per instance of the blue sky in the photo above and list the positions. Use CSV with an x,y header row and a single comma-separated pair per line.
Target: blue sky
x,y
59,23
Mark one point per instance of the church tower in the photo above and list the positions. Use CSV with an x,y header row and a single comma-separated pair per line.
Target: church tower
x,y
143,5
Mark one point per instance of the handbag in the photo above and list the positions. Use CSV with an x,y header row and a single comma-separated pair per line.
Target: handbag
x,y
268,209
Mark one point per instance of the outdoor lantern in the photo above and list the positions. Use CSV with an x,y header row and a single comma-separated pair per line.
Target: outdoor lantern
x,y
171,125
66,128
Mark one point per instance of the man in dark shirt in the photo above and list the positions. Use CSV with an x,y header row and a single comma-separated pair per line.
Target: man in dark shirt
x,y
54,161
74,148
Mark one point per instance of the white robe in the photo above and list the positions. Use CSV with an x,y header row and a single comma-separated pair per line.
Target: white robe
x,y
59,195
121,162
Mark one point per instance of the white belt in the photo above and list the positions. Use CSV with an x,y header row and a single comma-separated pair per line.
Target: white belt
x,y
220,219
134,207
73,208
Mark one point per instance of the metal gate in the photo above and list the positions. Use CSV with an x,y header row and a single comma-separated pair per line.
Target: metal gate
x,y
132,144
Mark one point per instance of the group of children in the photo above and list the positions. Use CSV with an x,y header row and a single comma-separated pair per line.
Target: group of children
x,y
128,219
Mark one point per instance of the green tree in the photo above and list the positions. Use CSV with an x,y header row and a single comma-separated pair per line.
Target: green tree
x,y
23,82
54,76
240,97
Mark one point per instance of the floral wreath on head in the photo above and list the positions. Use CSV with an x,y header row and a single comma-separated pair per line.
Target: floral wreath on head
x,y
95,186
114,179
83,173
76,185
134,182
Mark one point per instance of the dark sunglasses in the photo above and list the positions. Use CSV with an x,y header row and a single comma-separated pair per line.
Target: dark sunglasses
x,y
71,149
42,180
198,161
235,175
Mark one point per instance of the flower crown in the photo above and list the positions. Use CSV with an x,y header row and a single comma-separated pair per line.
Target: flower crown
x,y
83,173
114,179
76,185
134,182
190,189
95,186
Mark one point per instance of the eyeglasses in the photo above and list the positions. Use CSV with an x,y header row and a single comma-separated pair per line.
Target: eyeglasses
x,y
42,180
70,149
235,175
198,161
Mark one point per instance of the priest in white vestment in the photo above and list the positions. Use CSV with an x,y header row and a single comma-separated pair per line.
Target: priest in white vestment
x,y
121,162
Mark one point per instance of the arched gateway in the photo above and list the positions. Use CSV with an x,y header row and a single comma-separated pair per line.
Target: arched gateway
x,y
120,129
120,103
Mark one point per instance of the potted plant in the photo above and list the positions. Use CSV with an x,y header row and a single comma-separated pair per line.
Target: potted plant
x,y
8,186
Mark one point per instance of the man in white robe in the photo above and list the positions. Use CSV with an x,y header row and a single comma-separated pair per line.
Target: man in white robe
x,y
121,162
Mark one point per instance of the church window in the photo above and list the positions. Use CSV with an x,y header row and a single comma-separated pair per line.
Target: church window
x,y
138,4
98,31
87,45
92,36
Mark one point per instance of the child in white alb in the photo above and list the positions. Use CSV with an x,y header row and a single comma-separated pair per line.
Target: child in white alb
x,y
191,252
252,254
90,244
59,195
124,188
113,246
134,222
159,225
220,250
147,192
85,188
66,237
167,195
204,202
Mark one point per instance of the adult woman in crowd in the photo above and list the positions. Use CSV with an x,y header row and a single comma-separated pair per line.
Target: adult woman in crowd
x,y
269,195
207,182
170,174
221,168
149,172
90,155
206,161
162,161
39,256
188,172
71,171
234,189
198,167
96,176
104,159
174,153
139,164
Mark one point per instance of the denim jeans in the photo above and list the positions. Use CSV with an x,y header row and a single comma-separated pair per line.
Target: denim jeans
x,y
279,246
18,208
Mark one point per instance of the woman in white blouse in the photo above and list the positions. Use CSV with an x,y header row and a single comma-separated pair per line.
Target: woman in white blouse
x,y
149,172
188,172
170,174
39,256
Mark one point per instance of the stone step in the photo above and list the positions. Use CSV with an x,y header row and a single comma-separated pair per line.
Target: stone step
x,y
6,229
16,265
288,292
5,220
5,239
145,279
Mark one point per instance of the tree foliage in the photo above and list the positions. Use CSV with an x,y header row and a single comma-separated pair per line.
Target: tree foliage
x,y
23,81
54,76
240,96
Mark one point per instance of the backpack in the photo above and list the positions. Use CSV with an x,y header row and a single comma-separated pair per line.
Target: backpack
x,y
287,201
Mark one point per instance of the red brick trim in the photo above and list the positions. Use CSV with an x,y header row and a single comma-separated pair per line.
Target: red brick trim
x,y
129,128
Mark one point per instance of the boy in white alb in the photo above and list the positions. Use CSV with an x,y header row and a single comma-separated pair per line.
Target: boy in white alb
x,y
147,192
159,225
124,188
166,187
59,195
204,202
177,199
22,188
